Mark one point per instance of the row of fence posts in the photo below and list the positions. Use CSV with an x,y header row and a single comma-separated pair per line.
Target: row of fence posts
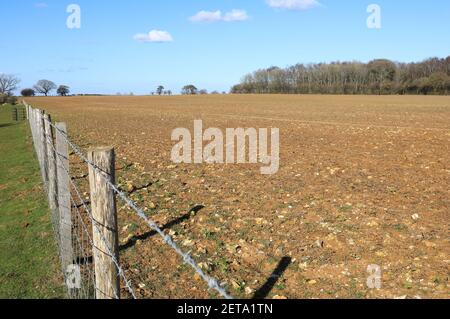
x,y
52,149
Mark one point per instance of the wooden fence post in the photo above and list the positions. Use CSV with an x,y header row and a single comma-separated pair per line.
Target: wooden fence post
x,y
43,147
28,115
31,121
51,173
37,114
65,210
105,234
36,135
33,125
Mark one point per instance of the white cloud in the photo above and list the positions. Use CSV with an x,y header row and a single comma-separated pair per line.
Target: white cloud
x,y
207,16
216,16
293,4
235,15
41,5
154,36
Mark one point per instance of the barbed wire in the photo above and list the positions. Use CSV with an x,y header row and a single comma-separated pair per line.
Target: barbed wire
x,y
187,259
95,224
56,222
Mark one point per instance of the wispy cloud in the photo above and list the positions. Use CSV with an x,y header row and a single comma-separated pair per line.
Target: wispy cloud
x,y
216,16
41,5
154,36
235,15
293,4
207,16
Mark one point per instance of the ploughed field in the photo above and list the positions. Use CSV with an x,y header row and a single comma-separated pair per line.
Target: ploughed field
x,y
363,180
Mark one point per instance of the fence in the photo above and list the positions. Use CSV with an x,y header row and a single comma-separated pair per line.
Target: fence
x,y
85,228
19,114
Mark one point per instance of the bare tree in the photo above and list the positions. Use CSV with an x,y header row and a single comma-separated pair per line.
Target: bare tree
x,y
44,87
8,83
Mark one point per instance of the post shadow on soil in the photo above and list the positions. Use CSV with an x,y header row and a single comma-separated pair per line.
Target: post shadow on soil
x,y
132,242
179,220
265,289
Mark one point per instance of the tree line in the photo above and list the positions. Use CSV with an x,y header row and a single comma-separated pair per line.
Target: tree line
x,y
9,83
431,76
189,89
45,87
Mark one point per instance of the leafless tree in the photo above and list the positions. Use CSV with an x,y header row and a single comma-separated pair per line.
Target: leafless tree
x,y
44,87
8,83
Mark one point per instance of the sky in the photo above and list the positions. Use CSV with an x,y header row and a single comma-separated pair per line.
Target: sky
x,y
135,45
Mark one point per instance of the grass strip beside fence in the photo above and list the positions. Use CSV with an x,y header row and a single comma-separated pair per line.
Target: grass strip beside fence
x,y
29,266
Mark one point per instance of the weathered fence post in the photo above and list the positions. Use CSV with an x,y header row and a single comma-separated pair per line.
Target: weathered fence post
x,y
43,147
105,234
63,178
51,173
37,115
28,115
36,135
31,122
33,128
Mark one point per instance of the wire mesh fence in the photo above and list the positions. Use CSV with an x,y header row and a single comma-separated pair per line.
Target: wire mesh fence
x,y
82,199
18,114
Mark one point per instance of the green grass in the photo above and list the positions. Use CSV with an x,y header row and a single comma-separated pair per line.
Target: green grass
x,y
29,266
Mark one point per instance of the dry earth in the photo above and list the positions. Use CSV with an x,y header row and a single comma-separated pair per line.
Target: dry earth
x,y
363,180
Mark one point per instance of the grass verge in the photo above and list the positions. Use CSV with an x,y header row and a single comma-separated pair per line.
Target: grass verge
x,y
29,266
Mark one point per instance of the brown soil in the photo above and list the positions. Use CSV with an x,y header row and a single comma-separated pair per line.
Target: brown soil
x,y
363,180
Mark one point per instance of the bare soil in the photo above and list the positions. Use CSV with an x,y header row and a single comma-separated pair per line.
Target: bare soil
x,y
363,180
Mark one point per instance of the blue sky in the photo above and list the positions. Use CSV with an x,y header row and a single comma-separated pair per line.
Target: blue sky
x,y
109,54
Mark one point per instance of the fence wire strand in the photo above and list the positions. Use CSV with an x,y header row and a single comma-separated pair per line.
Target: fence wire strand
x,y
81,242
211,282
96,224
187,259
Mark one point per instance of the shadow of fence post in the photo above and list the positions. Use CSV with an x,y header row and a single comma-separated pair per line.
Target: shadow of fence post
x,y
264,291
